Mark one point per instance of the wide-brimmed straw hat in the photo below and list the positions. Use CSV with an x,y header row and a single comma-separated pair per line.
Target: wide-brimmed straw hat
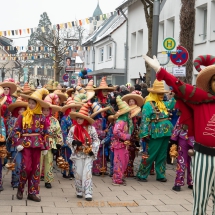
x,y
136,95
205,75
37,96
19,103
83,113
70,103
103,85
10,83
97,109
135,112
53,100
70,91
123,107
26,89
158,87
89,93
61,96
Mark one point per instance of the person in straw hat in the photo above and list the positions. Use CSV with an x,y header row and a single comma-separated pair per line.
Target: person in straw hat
x,y
9,87
17,108
84,143
103,90
30,135
120,141
100,125
156,130
2,135
66,124
199,101
131,99
55,137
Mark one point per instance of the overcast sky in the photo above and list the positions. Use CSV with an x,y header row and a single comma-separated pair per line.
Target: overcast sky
x,y
19,14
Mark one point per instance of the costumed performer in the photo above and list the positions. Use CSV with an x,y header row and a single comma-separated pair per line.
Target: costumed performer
x,y
30,135
156,130
200,101
100,124
55,138
84,143
17,108
120,141
131,99
66,124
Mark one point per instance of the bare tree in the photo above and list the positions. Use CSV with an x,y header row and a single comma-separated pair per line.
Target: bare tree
x,y
187,23
54,40
148,10
4,69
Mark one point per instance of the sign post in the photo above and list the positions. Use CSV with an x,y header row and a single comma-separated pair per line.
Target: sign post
x,y
181,57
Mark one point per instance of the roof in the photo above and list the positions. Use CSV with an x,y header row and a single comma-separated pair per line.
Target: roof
x,y
108,27
125,3
113,25
4,41
92,38
97,11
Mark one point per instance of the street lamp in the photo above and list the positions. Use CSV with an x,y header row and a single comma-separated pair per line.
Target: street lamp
x,y
70,73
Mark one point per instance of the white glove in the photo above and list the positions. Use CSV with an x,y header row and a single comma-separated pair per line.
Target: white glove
x,y
102,142
45,152
19,148
153,63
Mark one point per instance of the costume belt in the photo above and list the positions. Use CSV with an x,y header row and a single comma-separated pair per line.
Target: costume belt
x,y
204,149
30,135
159,120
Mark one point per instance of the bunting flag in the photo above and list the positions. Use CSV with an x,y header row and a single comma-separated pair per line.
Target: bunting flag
x,y
30,48
81,22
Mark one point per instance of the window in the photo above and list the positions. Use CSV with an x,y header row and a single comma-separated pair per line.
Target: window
x,y
109,51
161,36
212,23
101,55
133,44
139,42
205,15
201,27
170,28
88,56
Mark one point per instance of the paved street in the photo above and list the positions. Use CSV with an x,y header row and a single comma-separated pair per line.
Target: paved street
x,y
151,198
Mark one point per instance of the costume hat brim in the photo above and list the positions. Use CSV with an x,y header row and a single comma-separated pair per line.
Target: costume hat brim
x,y
3,100
99,111
204,77
55,108
139,99
40,101
119,113
11,85
76,105
105,88
152,90
61,96
15,105
135,112
74,115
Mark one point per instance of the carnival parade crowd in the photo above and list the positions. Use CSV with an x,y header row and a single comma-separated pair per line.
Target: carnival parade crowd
x,y
84,127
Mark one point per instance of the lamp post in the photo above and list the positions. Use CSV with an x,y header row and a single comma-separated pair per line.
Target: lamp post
x,y
70,73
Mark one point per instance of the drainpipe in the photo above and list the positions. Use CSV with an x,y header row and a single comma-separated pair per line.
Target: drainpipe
x,y
126,47
112,40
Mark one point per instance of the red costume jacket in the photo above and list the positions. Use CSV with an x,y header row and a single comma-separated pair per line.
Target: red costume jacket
x,y
199,104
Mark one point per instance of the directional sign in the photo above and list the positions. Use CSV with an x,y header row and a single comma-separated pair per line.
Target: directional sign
x,y
169,43
65,77
181,57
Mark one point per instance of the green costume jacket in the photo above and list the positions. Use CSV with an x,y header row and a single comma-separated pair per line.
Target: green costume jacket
x,y
162,128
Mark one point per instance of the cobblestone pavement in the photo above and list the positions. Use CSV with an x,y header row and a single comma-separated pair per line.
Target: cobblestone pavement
x,y
137,198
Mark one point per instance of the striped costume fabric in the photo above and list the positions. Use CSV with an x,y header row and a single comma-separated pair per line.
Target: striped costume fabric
x,y
203,171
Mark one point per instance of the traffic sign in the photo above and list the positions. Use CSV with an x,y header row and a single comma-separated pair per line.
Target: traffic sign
x,y
65,77
181,57
179,71
169,43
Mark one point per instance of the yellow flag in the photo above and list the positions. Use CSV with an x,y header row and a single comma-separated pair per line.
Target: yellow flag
x,y
87,21
69,24
1,33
